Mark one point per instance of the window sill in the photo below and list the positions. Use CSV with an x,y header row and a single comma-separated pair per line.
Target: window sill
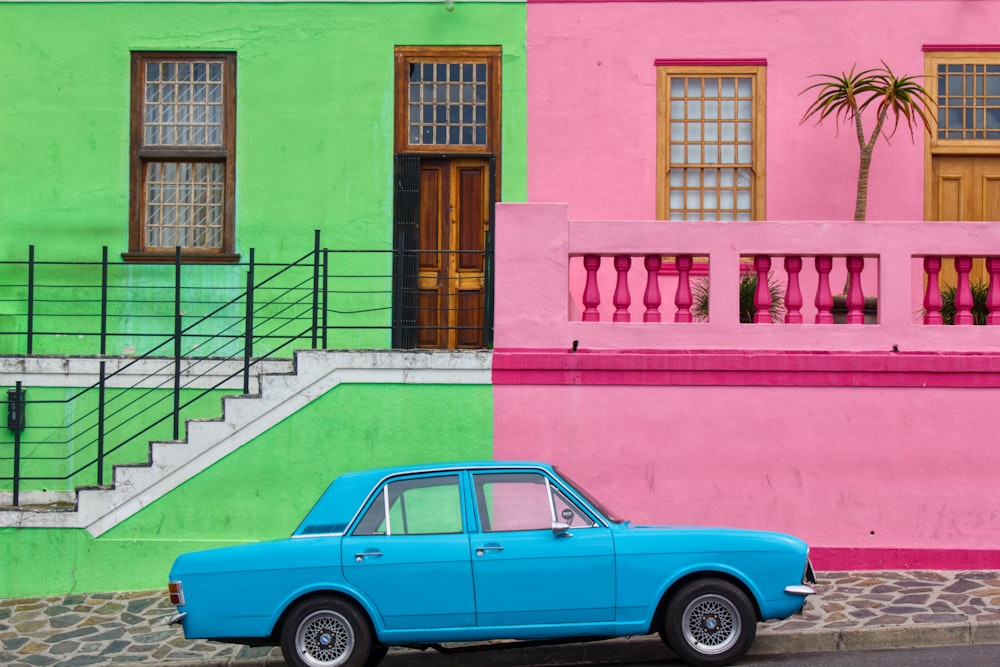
x,y
187,257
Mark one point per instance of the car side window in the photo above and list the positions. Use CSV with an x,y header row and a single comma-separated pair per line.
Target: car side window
x,y
523,501
418,506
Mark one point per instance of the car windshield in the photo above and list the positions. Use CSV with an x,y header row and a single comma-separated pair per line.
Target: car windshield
x,y
598,505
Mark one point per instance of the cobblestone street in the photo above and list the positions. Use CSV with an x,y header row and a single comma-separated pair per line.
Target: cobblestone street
x,y
851,610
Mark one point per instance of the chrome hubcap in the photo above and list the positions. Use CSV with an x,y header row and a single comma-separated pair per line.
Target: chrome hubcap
x,y
325,639
711,624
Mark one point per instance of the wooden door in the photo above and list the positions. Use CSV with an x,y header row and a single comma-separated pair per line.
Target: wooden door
x,y
966,188
451,273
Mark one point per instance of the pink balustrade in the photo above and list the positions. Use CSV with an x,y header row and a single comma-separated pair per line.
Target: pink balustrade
x,y
871,285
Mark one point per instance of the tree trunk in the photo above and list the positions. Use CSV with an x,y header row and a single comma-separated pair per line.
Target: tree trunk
x,y
861,204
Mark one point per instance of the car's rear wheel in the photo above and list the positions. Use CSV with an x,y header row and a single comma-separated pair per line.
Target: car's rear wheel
x,y
709,622
326,631
379,651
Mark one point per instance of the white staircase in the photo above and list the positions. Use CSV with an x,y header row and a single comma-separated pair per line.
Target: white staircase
x,y
244,418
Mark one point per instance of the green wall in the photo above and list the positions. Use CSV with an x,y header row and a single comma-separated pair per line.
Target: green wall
x,y
314,114
261,491
314,130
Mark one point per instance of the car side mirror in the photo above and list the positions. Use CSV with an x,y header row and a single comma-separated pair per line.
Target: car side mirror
x,y
559,529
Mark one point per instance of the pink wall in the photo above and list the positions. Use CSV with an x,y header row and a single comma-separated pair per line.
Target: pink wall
x,y
859,471
879,457
592,95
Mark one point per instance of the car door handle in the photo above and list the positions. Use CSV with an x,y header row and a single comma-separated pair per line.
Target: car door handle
x,y
367,553
489,547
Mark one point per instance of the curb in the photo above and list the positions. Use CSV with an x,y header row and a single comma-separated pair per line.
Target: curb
x,y
650,648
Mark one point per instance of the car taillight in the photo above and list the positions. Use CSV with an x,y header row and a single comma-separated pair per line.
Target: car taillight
x,y
176,593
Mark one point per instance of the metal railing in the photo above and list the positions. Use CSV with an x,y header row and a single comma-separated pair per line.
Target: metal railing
x,y
178,336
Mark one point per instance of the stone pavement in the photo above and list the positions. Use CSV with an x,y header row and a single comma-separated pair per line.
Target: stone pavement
x,y
852,610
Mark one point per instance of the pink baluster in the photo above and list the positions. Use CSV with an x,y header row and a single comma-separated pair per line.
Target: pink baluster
x,y
824,299
963,295
651,299
591,294
855,297
993,293
793,295
932,293
683,299
622,298
762,295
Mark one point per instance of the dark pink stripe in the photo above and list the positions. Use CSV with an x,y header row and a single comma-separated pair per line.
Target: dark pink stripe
x,y
745,368
710,62
830,559
930,48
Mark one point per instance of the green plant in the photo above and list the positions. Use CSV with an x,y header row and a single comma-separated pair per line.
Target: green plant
x,y
847,95
748,287
979,309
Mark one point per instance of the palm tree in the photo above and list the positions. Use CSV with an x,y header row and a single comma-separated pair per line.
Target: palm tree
x,y
846,96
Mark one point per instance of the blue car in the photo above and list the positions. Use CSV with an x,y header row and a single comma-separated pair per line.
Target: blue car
x,y
468,552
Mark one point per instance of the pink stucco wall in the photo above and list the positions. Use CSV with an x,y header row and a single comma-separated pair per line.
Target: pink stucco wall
x,y
592,95
870,441
859,473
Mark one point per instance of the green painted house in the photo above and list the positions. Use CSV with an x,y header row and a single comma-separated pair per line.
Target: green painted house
x,y
190,192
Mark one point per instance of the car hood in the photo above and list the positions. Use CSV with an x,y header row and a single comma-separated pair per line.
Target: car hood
x,y
711,538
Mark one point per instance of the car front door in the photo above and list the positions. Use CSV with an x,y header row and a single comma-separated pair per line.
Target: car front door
x,y
527,572
409,554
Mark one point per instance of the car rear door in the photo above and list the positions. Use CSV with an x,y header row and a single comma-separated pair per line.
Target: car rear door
x,y
409,554
525,573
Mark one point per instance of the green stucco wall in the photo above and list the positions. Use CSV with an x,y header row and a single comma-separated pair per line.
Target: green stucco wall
x,y
314,147
261,491
314,114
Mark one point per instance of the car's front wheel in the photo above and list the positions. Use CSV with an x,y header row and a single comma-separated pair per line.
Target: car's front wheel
x,y
709,622
326,631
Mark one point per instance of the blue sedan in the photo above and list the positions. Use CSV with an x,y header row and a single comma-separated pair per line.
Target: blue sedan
x,y
469,552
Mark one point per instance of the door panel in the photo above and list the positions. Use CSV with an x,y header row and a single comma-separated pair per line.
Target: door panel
x,y
534,576
409,554
966,188
454,222
525,573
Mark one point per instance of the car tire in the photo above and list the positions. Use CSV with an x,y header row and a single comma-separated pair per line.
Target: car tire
x,y
375,658
709,623
326,631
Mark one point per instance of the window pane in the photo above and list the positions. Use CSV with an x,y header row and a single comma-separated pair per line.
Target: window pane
x,y
966,100
184,204
702,194
177,113
515,501
451,106
423,506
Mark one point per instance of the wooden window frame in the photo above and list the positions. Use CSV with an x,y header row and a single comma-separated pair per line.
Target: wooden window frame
x,y
489,55
958,55
757,70
140,155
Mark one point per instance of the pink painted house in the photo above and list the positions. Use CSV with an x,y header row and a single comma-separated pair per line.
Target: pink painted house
x,y
665,150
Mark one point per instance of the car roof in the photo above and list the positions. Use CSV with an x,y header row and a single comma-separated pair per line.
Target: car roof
x,y
336,508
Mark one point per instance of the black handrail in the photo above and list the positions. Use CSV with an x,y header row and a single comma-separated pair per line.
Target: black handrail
x,y
277,307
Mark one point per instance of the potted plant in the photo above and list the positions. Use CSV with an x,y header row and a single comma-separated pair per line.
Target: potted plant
x,y
748,287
